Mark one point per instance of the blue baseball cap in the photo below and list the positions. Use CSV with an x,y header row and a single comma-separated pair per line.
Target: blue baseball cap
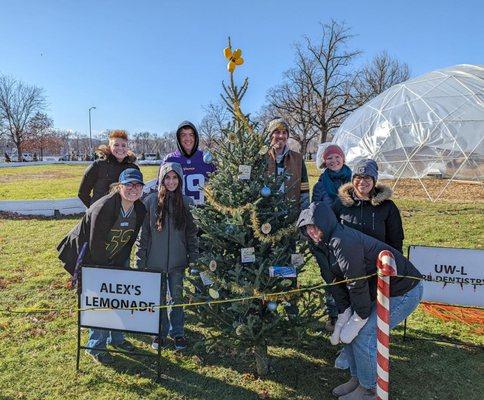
x,y
131,175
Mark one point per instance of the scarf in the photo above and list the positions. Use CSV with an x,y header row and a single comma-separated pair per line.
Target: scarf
x,y
332,180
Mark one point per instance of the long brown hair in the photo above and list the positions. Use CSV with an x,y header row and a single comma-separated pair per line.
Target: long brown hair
x,y
176,198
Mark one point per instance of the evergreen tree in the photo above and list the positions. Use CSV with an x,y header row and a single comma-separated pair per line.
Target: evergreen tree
x,y
241,214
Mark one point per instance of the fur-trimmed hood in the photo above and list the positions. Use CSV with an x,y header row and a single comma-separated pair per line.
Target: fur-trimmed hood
x,y
104,152
382,192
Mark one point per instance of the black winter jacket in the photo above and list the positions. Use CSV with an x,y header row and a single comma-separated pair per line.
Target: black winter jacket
x,y
378,217
353,254
94,228
100,175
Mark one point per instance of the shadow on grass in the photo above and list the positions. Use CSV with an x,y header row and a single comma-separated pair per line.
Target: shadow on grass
x,y
186,382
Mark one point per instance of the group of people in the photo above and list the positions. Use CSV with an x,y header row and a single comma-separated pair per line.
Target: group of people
x,y
161,225
349,221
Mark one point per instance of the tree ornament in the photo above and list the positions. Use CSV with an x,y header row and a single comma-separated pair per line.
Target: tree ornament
x,y
297,259
232,137
207,157
194,271
240,330
234,58
272,306
263,150
266,228
244,172
265,191
212,265
214,294
205,277
247,255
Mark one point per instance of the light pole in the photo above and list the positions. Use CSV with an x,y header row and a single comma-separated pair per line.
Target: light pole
x,y
90,134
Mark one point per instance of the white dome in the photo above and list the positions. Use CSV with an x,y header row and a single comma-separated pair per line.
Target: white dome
x,y
432,123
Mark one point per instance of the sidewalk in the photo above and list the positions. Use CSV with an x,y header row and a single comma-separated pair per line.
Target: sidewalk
x,y
43,207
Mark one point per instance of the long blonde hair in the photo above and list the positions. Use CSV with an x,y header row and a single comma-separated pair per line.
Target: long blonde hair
x,y
114,187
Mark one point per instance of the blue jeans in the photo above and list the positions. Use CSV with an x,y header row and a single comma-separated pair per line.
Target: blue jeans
x,y
361,352
173,322
99,338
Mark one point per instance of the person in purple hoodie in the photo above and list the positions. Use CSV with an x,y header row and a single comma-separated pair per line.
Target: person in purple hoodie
x,y
195,169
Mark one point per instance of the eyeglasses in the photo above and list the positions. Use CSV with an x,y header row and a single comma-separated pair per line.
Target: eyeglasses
x,y
365,178
130,186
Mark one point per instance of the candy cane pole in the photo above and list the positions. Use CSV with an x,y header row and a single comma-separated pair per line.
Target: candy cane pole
x,y
386,267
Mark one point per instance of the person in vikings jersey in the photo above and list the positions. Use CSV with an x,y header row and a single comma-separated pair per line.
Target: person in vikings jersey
x,y
195,170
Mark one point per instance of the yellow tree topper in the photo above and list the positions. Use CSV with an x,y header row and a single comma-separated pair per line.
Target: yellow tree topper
x,y
234,58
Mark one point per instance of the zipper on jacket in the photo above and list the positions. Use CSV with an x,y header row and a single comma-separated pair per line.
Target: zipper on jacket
x,y
373,218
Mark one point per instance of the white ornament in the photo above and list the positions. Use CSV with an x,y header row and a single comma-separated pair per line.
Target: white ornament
x,y
266,228
244,172
247,255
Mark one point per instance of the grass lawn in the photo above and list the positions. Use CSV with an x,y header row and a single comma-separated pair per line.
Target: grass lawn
x,y
53,181
38,351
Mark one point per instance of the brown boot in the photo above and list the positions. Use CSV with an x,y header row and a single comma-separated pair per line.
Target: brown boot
x,y
360,393
346,388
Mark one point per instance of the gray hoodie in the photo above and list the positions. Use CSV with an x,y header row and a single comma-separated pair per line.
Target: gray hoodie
x,y
171,248
353,254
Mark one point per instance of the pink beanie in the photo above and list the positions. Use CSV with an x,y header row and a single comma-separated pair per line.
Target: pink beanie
x,y
332,149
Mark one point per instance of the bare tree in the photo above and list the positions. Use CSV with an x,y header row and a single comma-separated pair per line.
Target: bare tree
x,y
167,142
326,64
38,133
215,120
19,102
295,101
381,73
143,142
319,92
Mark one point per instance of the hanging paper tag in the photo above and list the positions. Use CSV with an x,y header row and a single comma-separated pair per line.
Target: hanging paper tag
x,y
284,272
244,172
247,255
297,259
205,278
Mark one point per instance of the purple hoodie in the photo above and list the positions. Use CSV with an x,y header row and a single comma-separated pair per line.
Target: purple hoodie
x,y
195,170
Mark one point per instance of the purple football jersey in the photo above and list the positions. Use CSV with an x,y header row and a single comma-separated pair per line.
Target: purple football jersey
x,y
195,172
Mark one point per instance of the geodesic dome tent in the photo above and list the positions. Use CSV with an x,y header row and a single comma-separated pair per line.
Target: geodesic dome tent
x,y
430,124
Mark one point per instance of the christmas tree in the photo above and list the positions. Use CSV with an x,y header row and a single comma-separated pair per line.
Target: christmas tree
x,y
248,245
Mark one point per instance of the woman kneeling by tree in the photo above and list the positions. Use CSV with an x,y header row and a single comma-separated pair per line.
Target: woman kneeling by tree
x,y
354,255
109,227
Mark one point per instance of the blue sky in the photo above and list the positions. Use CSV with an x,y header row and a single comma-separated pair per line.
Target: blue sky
x,y
147,65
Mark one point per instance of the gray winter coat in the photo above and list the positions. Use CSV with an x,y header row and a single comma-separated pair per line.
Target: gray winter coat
x,y
171,248
353,254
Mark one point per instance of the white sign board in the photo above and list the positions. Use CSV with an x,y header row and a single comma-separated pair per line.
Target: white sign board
x,y
457,274
120,289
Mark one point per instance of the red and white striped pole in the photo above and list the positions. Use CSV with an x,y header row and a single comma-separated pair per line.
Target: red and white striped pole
x,y
386,267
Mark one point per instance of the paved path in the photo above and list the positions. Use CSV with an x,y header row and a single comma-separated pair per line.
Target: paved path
x,y
43,207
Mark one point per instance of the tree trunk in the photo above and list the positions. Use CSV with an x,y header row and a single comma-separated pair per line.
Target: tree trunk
x,y
323,136
19,152
261,359
304,147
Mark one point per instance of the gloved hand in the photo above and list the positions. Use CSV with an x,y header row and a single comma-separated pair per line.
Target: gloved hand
x,y
340,323
351,328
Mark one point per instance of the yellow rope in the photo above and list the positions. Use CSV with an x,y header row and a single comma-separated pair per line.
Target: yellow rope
x,y
263,296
